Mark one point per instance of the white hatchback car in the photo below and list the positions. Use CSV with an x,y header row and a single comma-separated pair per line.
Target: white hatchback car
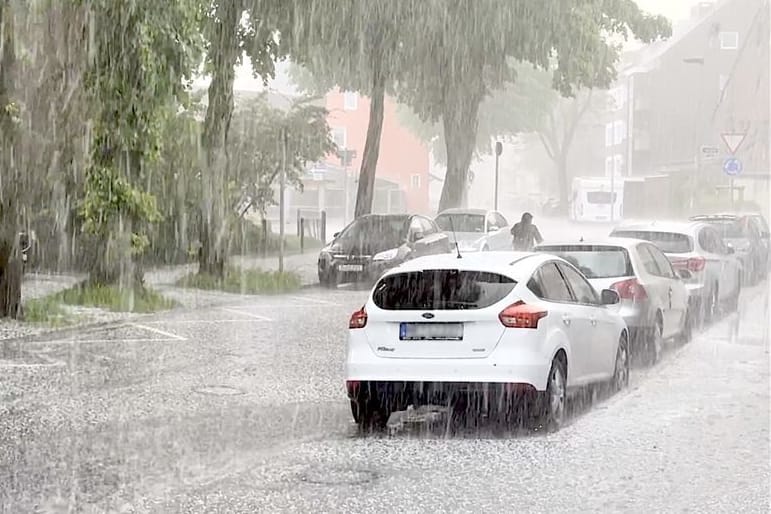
x,y
522,328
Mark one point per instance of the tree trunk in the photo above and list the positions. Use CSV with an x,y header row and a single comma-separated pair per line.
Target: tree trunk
x,y
11,269
224,53
366,190
460,119
562,180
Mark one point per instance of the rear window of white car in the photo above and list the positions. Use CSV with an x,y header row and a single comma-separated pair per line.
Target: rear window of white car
x,y
594,261
441,290
668,242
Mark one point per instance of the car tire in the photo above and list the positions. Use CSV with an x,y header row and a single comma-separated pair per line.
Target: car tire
x,y
328,279
711,304
655,343
368,411
552,404
621,370
686,332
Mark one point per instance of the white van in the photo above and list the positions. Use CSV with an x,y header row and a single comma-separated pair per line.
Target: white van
x,y
593,199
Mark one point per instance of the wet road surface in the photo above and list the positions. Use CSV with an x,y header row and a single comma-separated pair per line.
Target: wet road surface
x,y
242,409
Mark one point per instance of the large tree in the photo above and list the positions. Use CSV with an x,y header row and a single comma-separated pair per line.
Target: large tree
x,y
141,53
465,48
353,45
232,29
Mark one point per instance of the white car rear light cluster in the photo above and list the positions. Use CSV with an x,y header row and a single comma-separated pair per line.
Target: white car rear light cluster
x,y
521,315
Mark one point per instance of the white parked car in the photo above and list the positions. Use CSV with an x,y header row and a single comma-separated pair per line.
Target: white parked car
x,y
475,229
699,248
521,328
654,297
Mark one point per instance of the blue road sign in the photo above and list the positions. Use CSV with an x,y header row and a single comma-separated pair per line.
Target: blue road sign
x,y
732,166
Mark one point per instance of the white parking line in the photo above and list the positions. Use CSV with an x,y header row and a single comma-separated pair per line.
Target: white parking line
x,y
159,331
243,313
312,300
94,341
194,321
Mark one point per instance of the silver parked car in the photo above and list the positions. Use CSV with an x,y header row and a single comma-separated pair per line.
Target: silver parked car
x,y
716,272
475,229
654,297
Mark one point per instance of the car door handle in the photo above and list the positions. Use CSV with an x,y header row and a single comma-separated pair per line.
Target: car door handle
x,y
566,319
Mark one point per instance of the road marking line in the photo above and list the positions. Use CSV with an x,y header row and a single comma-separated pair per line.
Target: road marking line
x,y
88,341
312,300
159,331
11,364
242,313
191,321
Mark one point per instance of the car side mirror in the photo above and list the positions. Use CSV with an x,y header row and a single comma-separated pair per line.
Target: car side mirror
x,y
684,274
609,297
493,228
417,236
335,234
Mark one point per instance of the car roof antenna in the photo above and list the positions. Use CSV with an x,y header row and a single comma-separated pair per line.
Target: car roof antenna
x,y
457,246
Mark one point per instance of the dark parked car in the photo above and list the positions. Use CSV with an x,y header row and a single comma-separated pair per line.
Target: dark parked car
x,y
748,236
374,243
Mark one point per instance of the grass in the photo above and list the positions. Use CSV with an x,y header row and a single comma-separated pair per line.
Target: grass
x,y
245,281
51,309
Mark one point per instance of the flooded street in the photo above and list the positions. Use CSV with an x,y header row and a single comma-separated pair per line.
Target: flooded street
x,y
242,409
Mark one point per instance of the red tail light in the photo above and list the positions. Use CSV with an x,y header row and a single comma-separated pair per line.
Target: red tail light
x,y
352,388
693,264
358,319
630,290
521,315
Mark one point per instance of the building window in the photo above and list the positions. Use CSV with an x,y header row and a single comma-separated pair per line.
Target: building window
x,y
609,134
350,100
339,137
722,82
415,181
729,40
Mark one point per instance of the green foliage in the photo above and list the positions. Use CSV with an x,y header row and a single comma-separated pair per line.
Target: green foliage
x,y
132,89
51,310
48,311
256,148
246,281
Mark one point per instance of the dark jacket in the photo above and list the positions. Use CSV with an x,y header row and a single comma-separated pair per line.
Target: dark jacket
x,y
525,236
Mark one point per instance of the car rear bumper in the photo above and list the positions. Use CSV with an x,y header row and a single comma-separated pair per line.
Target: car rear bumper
x,y
369,272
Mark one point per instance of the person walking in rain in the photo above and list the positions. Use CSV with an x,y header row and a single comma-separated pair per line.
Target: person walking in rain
x,y
525,234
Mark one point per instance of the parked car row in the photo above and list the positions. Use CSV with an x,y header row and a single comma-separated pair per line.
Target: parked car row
x,y
525,330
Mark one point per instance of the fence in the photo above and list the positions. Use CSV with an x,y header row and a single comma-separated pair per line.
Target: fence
x,y
311,224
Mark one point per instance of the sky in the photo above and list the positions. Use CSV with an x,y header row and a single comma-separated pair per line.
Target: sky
x,y
673,9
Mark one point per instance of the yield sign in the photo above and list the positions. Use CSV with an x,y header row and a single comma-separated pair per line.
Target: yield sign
x,y
733,140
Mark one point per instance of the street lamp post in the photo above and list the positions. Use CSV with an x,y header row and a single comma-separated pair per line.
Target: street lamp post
x,y
498,152
281,194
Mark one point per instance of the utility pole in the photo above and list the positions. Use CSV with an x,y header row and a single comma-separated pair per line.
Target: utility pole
x,y
498,152
281,206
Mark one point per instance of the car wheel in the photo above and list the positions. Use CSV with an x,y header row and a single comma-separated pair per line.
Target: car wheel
x,y
553,401
621,371
711,304
655,343
369,411
686,332
328,279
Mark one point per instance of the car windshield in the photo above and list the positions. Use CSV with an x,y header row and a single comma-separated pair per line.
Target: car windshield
x,y
461,222
594,261
729,228
441,290
600,197
668,242
376,227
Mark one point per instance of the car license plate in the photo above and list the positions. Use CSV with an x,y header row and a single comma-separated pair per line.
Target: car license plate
x,y
431,331
350,267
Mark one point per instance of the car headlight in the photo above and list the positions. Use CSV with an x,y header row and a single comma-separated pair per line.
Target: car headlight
x,y
387,255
